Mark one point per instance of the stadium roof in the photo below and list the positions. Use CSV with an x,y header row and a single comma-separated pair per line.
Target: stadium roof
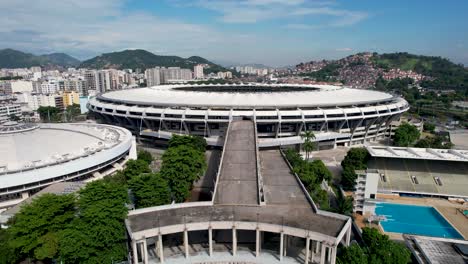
x,y
418,153
261,95
51,144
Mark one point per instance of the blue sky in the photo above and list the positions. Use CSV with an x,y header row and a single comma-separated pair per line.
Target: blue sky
x,y
272,32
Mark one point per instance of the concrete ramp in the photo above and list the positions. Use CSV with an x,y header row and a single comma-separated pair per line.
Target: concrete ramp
x,y
237,183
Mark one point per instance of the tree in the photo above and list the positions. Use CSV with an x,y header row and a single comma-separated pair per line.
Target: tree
x,y
135,168
344,205
7,253
181,166
145,156
405,135
355,159
348,178
98,234
308,145
382,250
196,142
49,113
34,230
429,127
150,190
353,254
72,111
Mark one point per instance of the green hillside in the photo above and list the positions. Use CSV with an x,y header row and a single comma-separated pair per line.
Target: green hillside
x,y
142,59
10,58
446,74
62,59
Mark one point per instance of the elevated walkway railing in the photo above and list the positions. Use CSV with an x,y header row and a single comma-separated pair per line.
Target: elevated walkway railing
x,y
261,193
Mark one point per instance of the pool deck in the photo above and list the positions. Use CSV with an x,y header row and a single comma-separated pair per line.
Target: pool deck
x,y
446,208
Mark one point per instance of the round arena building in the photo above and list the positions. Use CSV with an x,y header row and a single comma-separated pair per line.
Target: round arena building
x,y
338,116
34,156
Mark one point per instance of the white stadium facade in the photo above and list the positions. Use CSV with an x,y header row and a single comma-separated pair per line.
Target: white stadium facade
x,y
339,116
34,156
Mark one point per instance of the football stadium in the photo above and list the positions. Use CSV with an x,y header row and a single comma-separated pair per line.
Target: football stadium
x,y
34,156
339,116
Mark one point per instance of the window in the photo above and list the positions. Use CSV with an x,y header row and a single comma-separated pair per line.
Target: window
x,y
372,195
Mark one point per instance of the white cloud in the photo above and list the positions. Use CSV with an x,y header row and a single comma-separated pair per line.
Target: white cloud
x,y
252,11
344,49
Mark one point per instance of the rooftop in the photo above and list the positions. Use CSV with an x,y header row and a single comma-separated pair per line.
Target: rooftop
x,y
418,153
299,95
48,144
438,250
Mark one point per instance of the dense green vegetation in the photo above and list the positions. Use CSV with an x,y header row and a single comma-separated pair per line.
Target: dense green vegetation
x,y
150,190
8,78
84,228
182,164
311,173
446,74
377,249
53,114
356,159
49,113
429,103
10,58
406,135
142,59
328,73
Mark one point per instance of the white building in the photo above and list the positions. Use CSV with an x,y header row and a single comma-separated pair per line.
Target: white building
x,y
37,100
49,87
153,76
161,75
18,87
6,111
198,71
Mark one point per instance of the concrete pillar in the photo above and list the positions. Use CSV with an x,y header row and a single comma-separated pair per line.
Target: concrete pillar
x,y
312,250
161,249
307,250
329,254
145,251
285,245
186,243
210,241
348,236
323,251
257,242
333,255
135,252
281,245
234,241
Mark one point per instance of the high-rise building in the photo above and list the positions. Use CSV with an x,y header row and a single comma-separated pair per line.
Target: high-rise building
x,y
156,76
9,110
153,76
198,71
70,98
100,81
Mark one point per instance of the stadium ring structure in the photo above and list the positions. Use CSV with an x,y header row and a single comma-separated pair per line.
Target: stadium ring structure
x,y
34,156
339,116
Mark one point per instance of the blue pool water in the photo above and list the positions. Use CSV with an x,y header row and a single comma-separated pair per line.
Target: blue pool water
x,y
413,219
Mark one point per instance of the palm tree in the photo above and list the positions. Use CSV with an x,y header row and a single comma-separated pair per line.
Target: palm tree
x,y
344,205
308,145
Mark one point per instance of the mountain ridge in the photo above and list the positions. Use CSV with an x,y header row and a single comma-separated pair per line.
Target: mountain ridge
x,y
11,58
142,59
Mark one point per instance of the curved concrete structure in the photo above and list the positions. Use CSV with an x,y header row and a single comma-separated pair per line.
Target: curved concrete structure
x,y
337,115
258,206
35,156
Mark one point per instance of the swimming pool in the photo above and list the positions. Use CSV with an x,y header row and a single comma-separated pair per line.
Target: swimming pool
x,y
414,219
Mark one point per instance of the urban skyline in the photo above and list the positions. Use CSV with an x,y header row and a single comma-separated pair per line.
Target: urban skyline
x,y
272,32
